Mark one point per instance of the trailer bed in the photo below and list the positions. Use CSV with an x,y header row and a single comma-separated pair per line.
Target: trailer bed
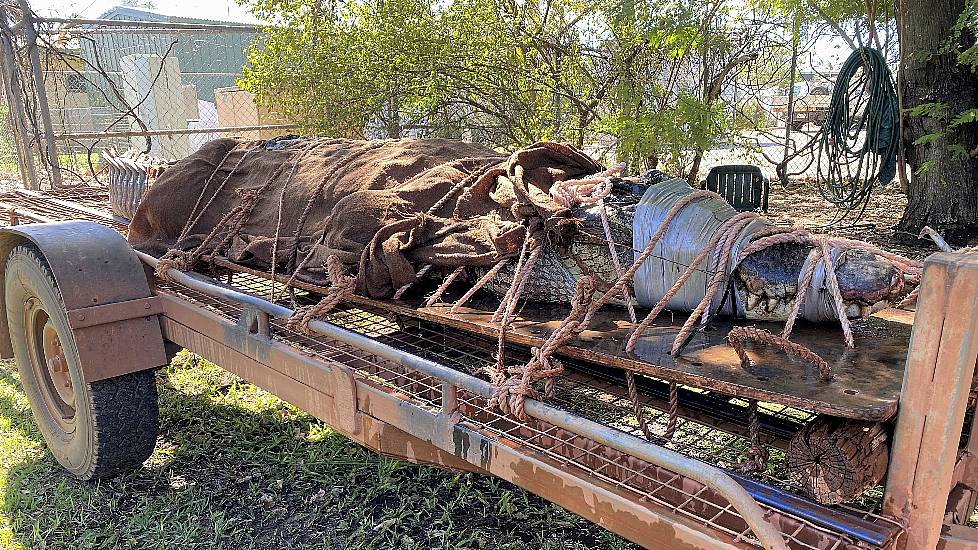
x,y
560,464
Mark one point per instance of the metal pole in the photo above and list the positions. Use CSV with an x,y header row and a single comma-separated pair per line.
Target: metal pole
x,y
12,116
126,23
783,172
174,131
18,116
30,32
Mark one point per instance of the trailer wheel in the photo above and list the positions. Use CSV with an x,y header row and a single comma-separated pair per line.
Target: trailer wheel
x,y
93,429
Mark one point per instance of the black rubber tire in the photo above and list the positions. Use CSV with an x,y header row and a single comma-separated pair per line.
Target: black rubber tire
x,y
112,424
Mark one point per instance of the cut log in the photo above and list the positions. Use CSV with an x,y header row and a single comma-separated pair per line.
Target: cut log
x,y
834,459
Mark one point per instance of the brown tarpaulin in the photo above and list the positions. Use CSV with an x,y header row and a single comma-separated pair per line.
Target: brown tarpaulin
x,y
367,202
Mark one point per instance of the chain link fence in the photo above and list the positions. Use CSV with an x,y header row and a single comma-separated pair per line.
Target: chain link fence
x,y
77,88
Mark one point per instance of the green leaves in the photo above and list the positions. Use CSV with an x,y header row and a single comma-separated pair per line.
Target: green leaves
x,y
935,110
647,77
928,138
971,115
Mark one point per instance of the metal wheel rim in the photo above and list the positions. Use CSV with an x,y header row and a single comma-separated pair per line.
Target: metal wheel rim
x,y
50,366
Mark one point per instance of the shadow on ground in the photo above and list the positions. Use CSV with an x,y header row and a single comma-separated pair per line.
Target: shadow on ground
x,y
237,468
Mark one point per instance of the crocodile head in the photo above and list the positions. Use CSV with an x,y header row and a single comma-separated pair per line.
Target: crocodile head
x,y
767,281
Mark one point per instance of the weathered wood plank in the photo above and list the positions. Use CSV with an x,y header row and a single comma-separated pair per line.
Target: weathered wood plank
x,y
940,367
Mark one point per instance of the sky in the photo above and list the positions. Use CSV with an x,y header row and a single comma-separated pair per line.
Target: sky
x,y
222,10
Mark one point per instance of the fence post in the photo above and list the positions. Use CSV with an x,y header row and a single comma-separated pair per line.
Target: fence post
x,y
782,170
30,33
15,105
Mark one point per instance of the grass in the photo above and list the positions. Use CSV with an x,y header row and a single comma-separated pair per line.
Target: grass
x,y
235,467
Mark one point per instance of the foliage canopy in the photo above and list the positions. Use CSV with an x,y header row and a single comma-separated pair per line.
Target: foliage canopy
x,y
656,81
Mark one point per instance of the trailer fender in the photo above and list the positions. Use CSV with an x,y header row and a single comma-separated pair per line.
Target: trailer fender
x,y
113,313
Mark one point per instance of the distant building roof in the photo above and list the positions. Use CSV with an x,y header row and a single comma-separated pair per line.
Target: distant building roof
x,y
126,13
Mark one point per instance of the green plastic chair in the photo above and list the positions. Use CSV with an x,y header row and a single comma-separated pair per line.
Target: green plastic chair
x,y
744,186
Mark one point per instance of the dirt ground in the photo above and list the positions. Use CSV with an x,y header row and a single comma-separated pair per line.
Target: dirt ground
x,y
801,204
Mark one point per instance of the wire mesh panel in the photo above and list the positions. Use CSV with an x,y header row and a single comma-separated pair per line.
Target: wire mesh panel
x,y
9,162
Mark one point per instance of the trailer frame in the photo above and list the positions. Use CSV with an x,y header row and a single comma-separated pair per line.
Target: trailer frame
x,y
399,404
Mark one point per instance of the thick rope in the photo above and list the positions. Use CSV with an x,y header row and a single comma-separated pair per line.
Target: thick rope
x,y
738,335
444,286
613,250
341,288
508,399
278,217
585,191
524,268
627,276
719,276
184,260
508,306
458,187
512,391
804,280
191,220
673,410
693,266
637,409
840,306
478,285
757,454
335,174
909,299
230,224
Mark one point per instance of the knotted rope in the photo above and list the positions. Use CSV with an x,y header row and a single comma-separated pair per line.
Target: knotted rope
x,y
729,230
585,191
757,454
516,384
229,224
341,288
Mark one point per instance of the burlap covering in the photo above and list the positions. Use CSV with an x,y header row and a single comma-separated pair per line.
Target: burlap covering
x,y
367,202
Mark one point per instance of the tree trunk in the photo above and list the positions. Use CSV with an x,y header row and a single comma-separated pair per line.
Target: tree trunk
x,y
943,191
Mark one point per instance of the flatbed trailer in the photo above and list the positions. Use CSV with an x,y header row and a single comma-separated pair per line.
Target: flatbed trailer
x,y
87,319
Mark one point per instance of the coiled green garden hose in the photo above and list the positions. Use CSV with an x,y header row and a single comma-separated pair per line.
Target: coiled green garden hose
x,y
859,139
